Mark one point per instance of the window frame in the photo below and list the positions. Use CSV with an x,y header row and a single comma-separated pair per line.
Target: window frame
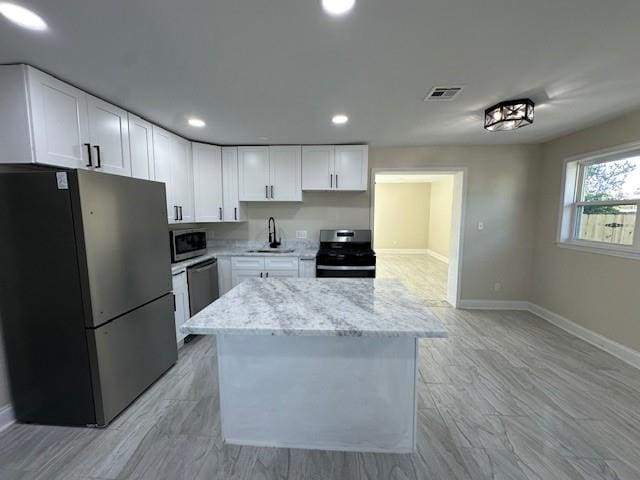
x,y
573,169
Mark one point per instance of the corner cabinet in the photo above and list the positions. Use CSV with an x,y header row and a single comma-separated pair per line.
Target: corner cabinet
x,y
207,183
141,148
270,173
232,209
339,167
173,167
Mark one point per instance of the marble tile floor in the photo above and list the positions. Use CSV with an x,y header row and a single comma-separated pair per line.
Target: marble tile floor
x,y
506,396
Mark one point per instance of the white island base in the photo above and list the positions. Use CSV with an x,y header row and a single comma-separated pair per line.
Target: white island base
x,y
348,393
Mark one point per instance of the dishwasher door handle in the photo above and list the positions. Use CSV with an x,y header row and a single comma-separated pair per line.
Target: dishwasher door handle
x,y
205,266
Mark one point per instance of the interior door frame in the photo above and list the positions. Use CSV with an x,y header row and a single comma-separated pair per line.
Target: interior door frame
x,y
458,215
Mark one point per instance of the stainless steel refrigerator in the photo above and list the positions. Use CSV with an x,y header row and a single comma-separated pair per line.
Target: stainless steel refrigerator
x,y
85,293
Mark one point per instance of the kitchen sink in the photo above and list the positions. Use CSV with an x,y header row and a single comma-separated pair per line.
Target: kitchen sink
x,y
272,250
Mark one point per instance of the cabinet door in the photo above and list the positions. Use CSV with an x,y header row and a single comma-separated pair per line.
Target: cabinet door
x,y
183,179
239,276
352,166
181,292
207,183
253,173
141,148
307,268
233,210
163,153
109,133
281,274
317,167
60,123
284,174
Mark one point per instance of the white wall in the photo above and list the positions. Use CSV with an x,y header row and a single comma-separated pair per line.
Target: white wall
x,y
596,291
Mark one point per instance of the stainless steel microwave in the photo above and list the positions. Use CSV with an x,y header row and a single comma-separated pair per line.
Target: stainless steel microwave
x,y
187,244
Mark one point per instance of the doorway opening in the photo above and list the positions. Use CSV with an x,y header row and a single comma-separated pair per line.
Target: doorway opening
x,y
417,223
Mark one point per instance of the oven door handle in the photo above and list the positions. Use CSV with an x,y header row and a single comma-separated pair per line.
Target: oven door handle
x,y
344,267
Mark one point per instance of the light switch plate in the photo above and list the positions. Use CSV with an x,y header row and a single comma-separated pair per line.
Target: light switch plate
x,y
301,234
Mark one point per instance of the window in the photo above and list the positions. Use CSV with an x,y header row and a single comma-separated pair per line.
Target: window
x,y
601,201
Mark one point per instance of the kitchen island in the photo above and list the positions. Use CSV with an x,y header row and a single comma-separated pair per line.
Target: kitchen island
x,y
318,363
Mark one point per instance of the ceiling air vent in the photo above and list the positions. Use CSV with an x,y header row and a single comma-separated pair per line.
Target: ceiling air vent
x,y
443,93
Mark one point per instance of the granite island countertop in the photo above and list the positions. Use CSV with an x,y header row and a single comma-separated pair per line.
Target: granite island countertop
x,y
317,306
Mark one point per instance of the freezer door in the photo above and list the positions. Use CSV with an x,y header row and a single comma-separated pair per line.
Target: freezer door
x,y
129,354
125,243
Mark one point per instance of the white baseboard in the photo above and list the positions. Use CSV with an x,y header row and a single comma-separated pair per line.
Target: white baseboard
x,y
437,256
493,305
403,251
624,353
6,417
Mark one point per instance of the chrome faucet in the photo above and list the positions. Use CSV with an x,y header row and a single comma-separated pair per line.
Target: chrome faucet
x,y
273,242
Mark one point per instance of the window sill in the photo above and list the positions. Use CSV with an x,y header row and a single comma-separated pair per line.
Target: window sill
x,y
611,251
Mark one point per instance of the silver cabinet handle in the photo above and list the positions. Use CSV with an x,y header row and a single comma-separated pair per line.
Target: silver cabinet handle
x,y
271,191
266,191
220,209
235,213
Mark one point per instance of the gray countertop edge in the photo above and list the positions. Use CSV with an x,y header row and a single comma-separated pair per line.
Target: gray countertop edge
x,y
311,333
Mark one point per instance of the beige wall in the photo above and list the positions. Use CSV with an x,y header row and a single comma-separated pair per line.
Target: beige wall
x,y
501,193
440,206
402,215
599,292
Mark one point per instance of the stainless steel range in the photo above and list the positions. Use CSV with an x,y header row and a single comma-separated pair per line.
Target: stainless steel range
x,y
345,253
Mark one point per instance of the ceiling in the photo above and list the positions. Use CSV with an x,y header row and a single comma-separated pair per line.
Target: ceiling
x,y
410,178
281,68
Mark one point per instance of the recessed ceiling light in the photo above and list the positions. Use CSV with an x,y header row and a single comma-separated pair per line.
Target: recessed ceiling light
x,y
340,119
263,138
22,16
196,122
337,7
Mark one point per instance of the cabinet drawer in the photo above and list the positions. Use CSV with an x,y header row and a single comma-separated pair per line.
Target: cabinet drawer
x,y
281,263
247,263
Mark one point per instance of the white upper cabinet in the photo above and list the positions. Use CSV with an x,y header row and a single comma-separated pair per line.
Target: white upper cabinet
x,y
183,179
141,148
253,173
207,183
340,167
163,168
109,134
269,173
59,121
318,167
284,173
173,166
351,167
233,210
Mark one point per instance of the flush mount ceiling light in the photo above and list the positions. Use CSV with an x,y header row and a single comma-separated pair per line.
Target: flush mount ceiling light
x,y
337,7
196,122
340,119
23,17
509,115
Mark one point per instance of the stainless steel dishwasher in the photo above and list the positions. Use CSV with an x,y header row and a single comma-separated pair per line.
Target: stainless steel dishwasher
x,y
202,279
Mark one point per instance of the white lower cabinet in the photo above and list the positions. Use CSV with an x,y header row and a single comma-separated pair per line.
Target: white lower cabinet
x,y
181,295
243,268
307,268
224,275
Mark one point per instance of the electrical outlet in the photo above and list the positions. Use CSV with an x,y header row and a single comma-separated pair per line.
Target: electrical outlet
x,y
302,234
497,287
480,225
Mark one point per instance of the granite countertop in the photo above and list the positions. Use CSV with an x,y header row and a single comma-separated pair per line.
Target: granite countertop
x,y
317,306
305,253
